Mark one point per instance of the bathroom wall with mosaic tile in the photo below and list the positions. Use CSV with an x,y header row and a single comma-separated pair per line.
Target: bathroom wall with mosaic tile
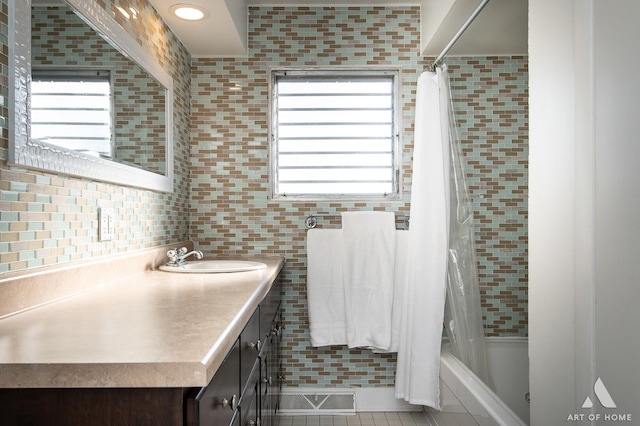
x,y
231,212
48,219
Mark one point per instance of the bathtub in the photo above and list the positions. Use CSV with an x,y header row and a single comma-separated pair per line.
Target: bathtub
x,y
463,392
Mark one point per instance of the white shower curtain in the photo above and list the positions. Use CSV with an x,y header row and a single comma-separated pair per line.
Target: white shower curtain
x,y
417,375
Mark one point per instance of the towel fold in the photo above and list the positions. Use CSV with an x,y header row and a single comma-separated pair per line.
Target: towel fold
x,y
400,287
368,253
325,290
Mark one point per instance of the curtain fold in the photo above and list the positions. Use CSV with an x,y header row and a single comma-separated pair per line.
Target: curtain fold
x,y
418,369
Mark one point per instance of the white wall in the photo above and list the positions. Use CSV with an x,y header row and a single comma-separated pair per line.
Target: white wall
x,y
584,287
617,171
551,210
432,14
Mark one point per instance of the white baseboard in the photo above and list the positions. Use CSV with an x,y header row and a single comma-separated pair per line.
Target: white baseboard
x,y
367,399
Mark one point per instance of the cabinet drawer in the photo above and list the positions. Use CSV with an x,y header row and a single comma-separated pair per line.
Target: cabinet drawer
x,y
250,344
217,403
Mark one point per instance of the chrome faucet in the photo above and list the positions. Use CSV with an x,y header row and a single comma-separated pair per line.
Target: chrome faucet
x,y
178,257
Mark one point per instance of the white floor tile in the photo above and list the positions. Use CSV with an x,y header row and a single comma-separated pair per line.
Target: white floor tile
x,y
360,419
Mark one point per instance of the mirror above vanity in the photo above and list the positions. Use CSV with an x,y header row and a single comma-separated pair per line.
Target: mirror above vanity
x,y
88,99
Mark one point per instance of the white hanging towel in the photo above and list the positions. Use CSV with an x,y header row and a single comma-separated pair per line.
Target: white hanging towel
x,y
368,249
418,368
325,290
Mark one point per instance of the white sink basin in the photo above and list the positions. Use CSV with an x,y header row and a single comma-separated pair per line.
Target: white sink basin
x,y
215,266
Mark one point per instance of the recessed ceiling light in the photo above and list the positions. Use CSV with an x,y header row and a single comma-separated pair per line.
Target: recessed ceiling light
x,y
188,12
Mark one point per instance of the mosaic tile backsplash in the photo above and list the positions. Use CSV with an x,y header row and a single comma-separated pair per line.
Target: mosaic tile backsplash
x,y
230,209
48,219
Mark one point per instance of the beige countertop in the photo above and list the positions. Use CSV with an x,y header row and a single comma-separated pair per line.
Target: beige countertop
x,y
151,329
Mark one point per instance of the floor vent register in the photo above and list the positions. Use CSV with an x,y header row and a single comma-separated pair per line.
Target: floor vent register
x,y
304,404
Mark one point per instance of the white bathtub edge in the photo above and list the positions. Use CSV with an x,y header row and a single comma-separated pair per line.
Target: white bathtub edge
x,y
473,394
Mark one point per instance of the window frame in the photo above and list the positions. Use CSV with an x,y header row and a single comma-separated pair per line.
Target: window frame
x,y
336,73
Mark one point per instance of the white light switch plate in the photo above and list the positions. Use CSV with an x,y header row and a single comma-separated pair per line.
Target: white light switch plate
x,y
107,226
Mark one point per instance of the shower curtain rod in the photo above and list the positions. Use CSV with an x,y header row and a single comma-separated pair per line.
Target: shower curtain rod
x,y
458,34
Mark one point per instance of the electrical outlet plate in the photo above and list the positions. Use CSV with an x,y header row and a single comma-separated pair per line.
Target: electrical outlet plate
x,y
106,227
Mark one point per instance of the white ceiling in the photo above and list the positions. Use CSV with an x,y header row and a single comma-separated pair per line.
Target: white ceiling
x,y
501,28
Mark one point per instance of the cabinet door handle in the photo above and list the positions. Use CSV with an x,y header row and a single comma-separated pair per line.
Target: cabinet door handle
x,y
233,404
257,345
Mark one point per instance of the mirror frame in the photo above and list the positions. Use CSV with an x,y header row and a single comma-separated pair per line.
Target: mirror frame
x,y
31,154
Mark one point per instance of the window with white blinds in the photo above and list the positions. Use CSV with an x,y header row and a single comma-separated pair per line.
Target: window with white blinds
x,y
334,134
73,109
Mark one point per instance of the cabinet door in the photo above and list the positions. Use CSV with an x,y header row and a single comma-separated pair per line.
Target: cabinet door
x,y
250,345
250,402
217,403
276,370
265,383
269,307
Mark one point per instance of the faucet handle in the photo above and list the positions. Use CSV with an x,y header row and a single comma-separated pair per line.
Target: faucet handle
x,y
172,255
182,251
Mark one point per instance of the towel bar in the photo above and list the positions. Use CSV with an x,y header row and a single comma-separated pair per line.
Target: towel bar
x,y
312,220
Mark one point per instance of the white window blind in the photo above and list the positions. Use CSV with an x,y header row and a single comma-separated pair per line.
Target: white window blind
x,y
335,135
73,109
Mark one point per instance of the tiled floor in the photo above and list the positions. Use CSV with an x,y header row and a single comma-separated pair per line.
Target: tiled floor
x,y
381,419
450,419
359,419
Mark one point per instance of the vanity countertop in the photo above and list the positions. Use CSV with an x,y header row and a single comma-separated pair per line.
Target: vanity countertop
x,y
151,329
